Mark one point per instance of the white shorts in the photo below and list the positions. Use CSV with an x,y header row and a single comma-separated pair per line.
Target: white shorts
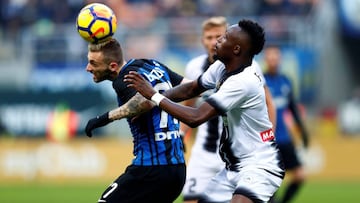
x,y
254,183
202,166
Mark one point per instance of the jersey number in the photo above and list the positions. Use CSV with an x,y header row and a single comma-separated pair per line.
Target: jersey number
x,y
161,87
111,189
192,185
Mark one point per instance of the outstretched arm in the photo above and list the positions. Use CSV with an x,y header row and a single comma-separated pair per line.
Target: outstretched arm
x,y
188,115
138,104
135,106
187,90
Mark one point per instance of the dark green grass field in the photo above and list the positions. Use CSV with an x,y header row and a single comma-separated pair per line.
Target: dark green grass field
x,y
312,192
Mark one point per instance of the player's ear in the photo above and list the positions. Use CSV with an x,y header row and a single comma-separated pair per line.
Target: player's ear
x,y
113,66
237,49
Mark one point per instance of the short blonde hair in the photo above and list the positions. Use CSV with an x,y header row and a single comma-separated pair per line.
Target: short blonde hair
x,y
216,21
110,49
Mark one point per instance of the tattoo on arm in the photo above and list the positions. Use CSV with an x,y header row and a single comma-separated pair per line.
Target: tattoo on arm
x,y
135,106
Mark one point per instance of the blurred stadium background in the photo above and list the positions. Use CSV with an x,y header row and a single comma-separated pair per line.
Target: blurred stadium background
x,y
46,96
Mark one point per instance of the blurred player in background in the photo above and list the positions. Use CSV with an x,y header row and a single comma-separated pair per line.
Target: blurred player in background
x,y
253,168
205,161
282,92
157,173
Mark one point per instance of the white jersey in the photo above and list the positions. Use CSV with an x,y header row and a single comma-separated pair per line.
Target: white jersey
x,y
208,133
205,160
207,137
240,98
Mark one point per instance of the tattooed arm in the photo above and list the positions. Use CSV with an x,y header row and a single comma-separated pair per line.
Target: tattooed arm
x,y
135,106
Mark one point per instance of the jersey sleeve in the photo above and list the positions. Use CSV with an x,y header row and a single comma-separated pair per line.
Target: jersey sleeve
x,y
123,92
174,77
209,78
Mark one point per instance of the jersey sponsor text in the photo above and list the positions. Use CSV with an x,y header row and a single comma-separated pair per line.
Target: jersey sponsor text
x,y
160,136
267,135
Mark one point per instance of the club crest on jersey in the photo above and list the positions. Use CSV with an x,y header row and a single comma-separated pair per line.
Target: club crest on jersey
x,y
267,135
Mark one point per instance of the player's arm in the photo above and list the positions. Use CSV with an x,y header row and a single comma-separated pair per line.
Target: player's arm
x,y
135,106
185,129
186,90
293,107
192,117
270,106
188,115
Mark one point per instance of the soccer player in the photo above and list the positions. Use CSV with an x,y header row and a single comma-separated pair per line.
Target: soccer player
x,y
282,91
157,173
205,161
253,167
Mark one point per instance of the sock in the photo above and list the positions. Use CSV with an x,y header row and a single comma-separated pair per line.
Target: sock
x,y
290,191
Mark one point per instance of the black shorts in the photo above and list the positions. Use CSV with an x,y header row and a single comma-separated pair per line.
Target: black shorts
x,y
289,155
161,184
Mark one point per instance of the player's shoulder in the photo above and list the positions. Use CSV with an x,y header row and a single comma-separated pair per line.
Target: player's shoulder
x,y
197,62
143,65
199,59
194,68
286,79
248,78
283,77
217,68
256,65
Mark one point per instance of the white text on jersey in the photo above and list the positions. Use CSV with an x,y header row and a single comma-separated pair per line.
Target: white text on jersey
x,y
267,135
155,74
166,135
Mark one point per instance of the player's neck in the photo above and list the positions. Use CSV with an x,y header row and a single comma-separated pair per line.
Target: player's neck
x,y
236,65
121,66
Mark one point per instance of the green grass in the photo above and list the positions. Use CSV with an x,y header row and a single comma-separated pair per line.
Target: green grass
x,y
312,192
328,192
50,193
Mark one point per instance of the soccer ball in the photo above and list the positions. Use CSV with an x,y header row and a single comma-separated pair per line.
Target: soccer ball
x,y
96,23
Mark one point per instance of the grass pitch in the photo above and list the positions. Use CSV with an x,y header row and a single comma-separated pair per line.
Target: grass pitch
x,y
312,192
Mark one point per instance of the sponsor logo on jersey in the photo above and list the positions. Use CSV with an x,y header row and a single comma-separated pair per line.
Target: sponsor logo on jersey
x,y
167,135
267,135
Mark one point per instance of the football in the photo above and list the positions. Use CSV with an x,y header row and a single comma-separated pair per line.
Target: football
x,y
96,23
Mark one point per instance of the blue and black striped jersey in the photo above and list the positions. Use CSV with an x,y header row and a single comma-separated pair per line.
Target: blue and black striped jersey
x,y
155,133
281,91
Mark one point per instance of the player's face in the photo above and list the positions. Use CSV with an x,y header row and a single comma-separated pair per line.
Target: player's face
x,y
96,65
272,59
209,38
224,46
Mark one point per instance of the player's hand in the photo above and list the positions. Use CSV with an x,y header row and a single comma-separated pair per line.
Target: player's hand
x,y
97,122
136,81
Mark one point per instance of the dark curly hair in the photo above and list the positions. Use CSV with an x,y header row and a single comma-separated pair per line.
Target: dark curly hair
x,y
256,33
